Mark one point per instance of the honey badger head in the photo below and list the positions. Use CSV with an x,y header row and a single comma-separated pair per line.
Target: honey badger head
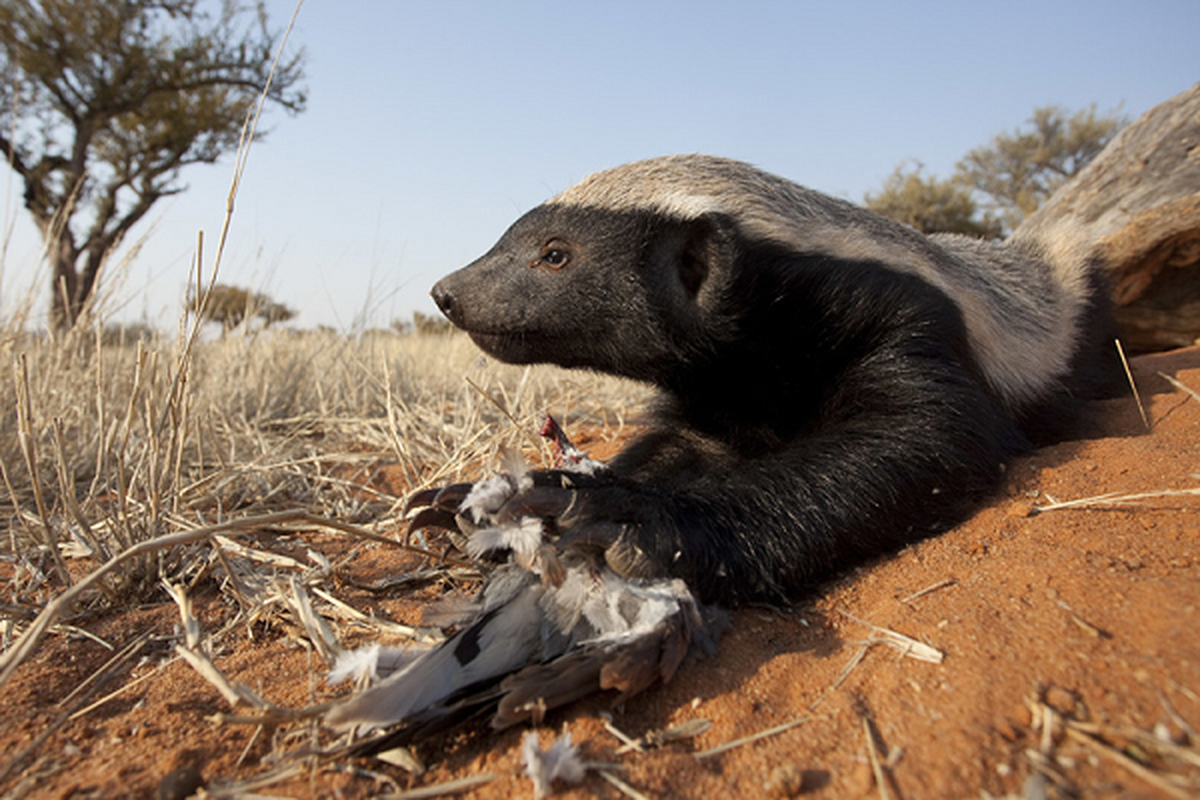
x,y
628,292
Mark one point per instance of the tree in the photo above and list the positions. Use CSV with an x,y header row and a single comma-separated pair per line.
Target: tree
x,y
1018,171
230,306
105,101
931,205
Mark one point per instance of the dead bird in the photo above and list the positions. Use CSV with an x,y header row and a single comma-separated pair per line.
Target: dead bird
x,y
550,625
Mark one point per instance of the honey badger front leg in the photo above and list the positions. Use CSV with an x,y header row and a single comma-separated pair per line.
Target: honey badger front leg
x,y
916,448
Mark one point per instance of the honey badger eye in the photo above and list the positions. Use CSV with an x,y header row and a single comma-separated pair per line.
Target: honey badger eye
x,y
554,255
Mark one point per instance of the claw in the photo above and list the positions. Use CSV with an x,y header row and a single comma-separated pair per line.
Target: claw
x,y
425,497
540,501
451,497
626,558
446,498
433,518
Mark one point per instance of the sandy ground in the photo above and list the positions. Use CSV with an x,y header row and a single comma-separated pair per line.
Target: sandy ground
x,y
1070,639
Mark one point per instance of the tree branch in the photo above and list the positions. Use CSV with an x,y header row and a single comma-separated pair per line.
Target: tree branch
x,y
13,157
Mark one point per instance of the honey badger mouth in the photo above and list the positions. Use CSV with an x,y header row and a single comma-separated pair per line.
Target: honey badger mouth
x,y
514,348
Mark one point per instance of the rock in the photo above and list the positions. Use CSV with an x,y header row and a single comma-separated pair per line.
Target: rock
x,y
180,784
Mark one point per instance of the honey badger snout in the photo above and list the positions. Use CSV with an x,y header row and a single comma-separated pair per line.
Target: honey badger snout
x,y
444,297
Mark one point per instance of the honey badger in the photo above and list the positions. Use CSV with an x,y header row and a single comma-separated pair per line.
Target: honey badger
x,y
833,384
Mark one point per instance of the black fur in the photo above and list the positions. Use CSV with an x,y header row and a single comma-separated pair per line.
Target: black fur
x,y
814,411
1095,372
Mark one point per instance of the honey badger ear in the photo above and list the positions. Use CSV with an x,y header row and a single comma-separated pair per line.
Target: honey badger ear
x,y
708,248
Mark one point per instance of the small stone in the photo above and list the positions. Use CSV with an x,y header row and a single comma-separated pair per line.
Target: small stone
x,y
180,784
1170,734
1021,508
861,780
786,780
1060,700
1008,730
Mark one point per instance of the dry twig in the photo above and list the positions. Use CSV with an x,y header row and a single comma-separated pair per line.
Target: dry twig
x,y
754,737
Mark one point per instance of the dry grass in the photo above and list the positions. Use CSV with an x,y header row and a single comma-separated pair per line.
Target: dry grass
x,y
137,471
105,448
134,470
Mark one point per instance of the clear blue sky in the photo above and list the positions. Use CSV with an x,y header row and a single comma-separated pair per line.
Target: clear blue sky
x,y
431,126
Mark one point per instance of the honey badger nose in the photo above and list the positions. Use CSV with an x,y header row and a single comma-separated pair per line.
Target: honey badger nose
x,y
444,298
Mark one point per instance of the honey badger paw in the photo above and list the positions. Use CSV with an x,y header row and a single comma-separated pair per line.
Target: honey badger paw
x,y
580,508
501,500
439,511
624,525
561,509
